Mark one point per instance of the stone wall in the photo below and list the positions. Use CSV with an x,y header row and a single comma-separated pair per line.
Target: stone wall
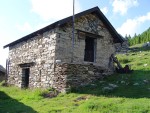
x,y
122,48
91,24
41,51
75,75
44,49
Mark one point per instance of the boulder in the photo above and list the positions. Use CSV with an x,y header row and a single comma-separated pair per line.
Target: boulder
x,y
147,44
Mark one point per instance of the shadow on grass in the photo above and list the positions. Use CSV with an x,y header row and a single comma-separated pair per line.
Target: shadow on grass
x,y
10,105
135,85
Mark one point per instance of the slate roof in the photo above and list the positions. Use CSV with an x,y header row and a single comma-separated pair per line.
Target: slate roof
x,y
94,10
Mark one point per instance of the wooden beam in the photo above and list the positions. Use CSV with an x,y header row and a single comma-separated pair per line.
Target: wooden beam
x,y
80,32
26,64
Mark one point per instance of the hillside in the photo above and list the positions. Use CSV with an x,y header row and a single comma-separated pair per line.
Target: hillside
x,y
119,93
139,39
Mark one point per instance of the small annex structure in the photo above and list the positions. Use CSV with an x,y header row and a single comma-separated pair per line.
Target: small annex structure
x,y
43,58
2,73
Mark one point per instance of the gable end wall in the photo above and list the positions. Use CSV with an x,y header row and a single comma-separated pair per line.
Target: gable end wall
x,y
89,23
41,51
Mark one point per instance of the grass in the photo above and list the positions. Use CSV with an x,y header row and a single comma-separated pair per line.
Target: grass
x,y
131,94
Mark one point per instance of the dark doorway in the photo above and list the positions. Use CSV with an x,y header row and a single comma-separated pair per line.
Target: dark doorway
x,y
89,49
25,77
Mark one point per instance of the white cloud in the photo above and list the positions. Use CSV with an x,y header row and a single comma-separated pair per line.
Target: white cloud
x,y
9,37
26,27
131,26
54,9
3,52
104,10
144,18
42,25
4,56
122,6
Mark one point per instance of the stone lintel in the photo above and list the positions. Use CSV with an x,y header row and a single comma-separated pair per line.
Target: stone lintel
x,y
26,64
81,32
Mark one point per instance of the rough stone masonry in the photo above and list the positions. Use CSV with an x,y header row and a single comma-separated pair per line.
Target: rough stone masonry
x,y
37,56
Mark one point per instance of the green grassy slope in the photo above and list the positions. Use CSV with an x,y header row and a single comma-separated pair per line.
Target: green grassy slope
x,y
119,93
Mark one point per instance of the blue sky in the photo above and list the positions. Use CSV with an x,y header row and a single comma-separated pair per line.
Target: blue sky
x,y
21,17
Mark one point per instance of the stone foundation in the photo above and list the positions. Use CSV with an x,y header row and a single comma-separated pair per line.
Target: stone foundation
x,y
74,75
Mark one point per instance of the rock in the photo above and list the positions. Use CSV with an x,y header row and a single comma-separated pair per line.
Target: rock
x,y
82,98
145,81
123,82
101,82
113,85
50,94
93,84
91,72
127,83
136,84
107,89
145,65
147,44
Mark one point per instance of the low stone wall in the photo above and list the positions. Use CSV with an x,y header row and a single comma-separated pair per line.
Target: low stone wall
x,y
122,48
75,75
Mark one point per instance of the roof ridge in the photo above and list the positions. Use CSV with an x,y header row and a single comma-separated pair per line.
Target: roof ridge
x,y
65,20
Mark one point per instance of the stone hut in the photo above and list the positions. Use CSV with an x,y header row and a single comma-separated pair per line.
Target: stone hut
x,y
45,58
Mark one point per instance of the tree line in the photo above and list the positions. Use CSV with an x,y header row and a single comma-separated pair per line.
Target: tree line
x,y
139,39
